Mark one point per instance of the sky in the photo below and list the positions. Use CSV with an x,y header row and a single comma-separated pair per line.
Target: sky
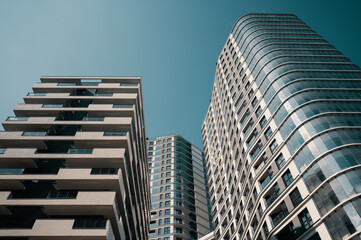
x,y
172,44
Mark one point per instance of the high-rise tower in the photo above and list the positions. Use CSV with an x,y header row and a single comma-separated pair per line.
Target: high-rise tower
x,y
282,135
73,162
179,207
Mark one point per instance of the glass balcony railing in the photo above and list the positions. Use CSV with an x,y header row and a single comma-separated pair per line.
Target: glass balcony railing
x,y
33,134
52,106
93,118
265,182
123,106
2,150
11,171
66,84
279,217
36,94
272,198
80,151
17,118
128,84
103,94
115,133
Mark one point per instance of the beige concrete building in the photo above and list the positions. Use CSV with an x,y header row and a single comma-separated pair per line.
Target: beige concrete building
x,y
282,135
73,162
180,205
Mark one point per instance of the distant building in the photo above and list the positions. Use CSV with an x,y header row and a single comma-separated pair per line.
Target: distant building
x,y
179,208
282,135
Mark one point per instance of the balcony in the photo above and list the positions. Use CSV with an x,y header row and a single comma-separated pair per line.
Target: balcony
x,y
265,182
279,217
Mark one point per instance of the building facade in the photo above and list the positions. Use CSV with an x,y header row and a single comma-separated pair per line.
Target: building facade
x,y
282,135
179,208
73,162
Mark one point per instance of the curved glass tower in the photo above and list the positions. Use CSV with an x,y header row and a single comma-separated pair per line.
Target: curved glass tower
x,y
282,135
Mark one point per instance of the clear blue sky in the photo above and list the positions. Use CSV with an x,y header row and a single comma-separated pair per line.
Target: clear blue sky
x,y
172,44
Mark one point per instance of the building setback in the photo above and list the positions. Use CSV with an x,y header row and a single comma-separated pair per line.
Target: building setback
x,y
73,162
180,205
282,135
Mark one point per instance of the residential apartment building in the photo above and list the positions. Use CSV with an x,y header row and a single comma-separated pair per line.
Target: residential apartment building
x,y
73,162
179,208
282,135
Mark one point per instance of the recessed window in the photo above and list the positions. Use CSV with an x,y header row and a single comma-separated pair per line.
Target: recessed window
x,y
305,219
295,197
287,178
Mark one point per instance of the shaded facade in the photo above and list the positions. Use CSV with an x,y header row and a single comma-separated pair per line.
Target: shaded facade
x,y
180,205
282,134
73,162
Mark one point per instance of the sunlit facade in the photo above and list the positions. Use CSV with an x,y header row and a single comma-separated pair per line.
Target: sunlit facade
x,y
282,135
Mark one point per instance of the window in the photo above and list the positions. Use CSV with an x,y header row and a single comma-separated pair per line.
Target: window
x,y
167,212
167,195
168,174
295,197
160,222
263,122
258,111
287,178
305,219
167,203
167,188
254,102
166,221
280,161
159,231
273,146
167,230
167,180
160,212
268,133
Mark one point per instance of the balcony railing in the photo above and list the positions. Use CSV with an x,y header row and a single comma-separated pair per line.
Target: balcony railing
x,y
280,216
119,133
272,198
17,118
123,106
36,94
80,151
265,182
93,118
128,84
